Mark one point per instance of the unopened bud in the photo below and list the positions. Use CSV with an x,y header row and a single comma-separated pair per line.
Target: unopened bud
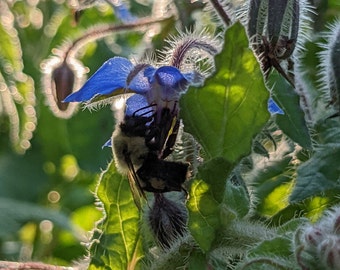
x,y
313,236
283,25
60,78
63,78
273,27
329,252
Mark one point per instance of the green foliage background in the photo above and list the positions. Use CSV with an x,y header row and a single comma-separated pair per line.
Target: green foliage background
x,y
49,167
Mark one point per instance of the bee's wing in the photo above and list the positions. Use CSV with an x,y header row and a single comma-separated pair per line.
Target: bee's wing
x,y
136,189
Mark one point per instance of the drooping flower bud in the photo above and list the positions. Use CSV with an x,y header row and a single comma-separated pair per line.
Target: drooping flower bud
x,y
60,79
63,78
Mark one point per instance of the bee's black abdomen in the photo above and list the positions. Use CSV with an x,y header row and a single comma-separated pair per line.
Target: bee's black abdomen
x,y
160,176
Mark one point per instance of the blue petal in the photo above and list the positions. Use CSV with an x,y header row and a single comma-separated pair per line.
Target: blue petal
x,y
138,105
273,108
167,83
150,73
169,77
139,82
109,77
107,144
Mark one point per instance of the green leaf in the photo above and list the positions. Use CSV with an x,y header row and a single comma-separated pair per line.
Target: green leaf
x,y
197,260
203,214
231,108
273,254
206,195
291,226
117,241
237,199
292,123
319,174
272,183
278,246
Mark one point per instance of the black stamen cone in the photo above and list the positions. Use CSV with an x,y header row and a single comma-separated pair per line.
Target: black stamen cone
x,y
167,220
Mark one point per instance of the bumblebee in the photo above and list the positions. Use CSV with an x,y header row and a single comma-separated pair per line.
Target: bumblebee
x,y
140,144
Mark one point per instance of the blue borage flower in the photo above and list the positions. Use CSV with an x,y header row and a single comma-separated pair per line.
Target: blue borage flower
x,y
156,88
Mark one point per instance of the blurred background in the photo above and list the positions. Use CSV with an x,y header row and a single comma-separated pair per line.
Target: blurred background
x,y
50,162
49,165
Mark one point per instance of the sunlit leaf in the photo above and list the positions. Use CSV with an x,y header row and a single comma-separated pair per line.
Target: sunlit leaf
x,y
203,214
231,108
206,195
275,187
117,241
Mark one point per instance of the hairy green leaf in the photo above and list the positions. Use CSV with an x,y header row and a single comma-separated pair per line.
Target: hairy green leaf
x,y
237,199
275,253
206,195
292,123
279,246
321,173
291,226
117,242
231,108
203,214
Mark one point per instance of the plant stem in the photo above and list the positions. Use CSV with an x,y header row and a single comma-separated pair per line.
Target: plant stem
x,y
220,10
32,265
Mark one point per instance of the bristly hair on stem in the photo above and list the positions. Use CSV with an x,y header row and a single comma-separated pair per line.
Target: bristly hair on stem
x,y
102,31
191,51
219,8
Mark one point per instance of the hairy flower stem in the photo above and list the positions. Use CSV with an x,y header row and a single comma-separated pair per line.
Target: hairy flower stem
x,y
221,12
105,30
